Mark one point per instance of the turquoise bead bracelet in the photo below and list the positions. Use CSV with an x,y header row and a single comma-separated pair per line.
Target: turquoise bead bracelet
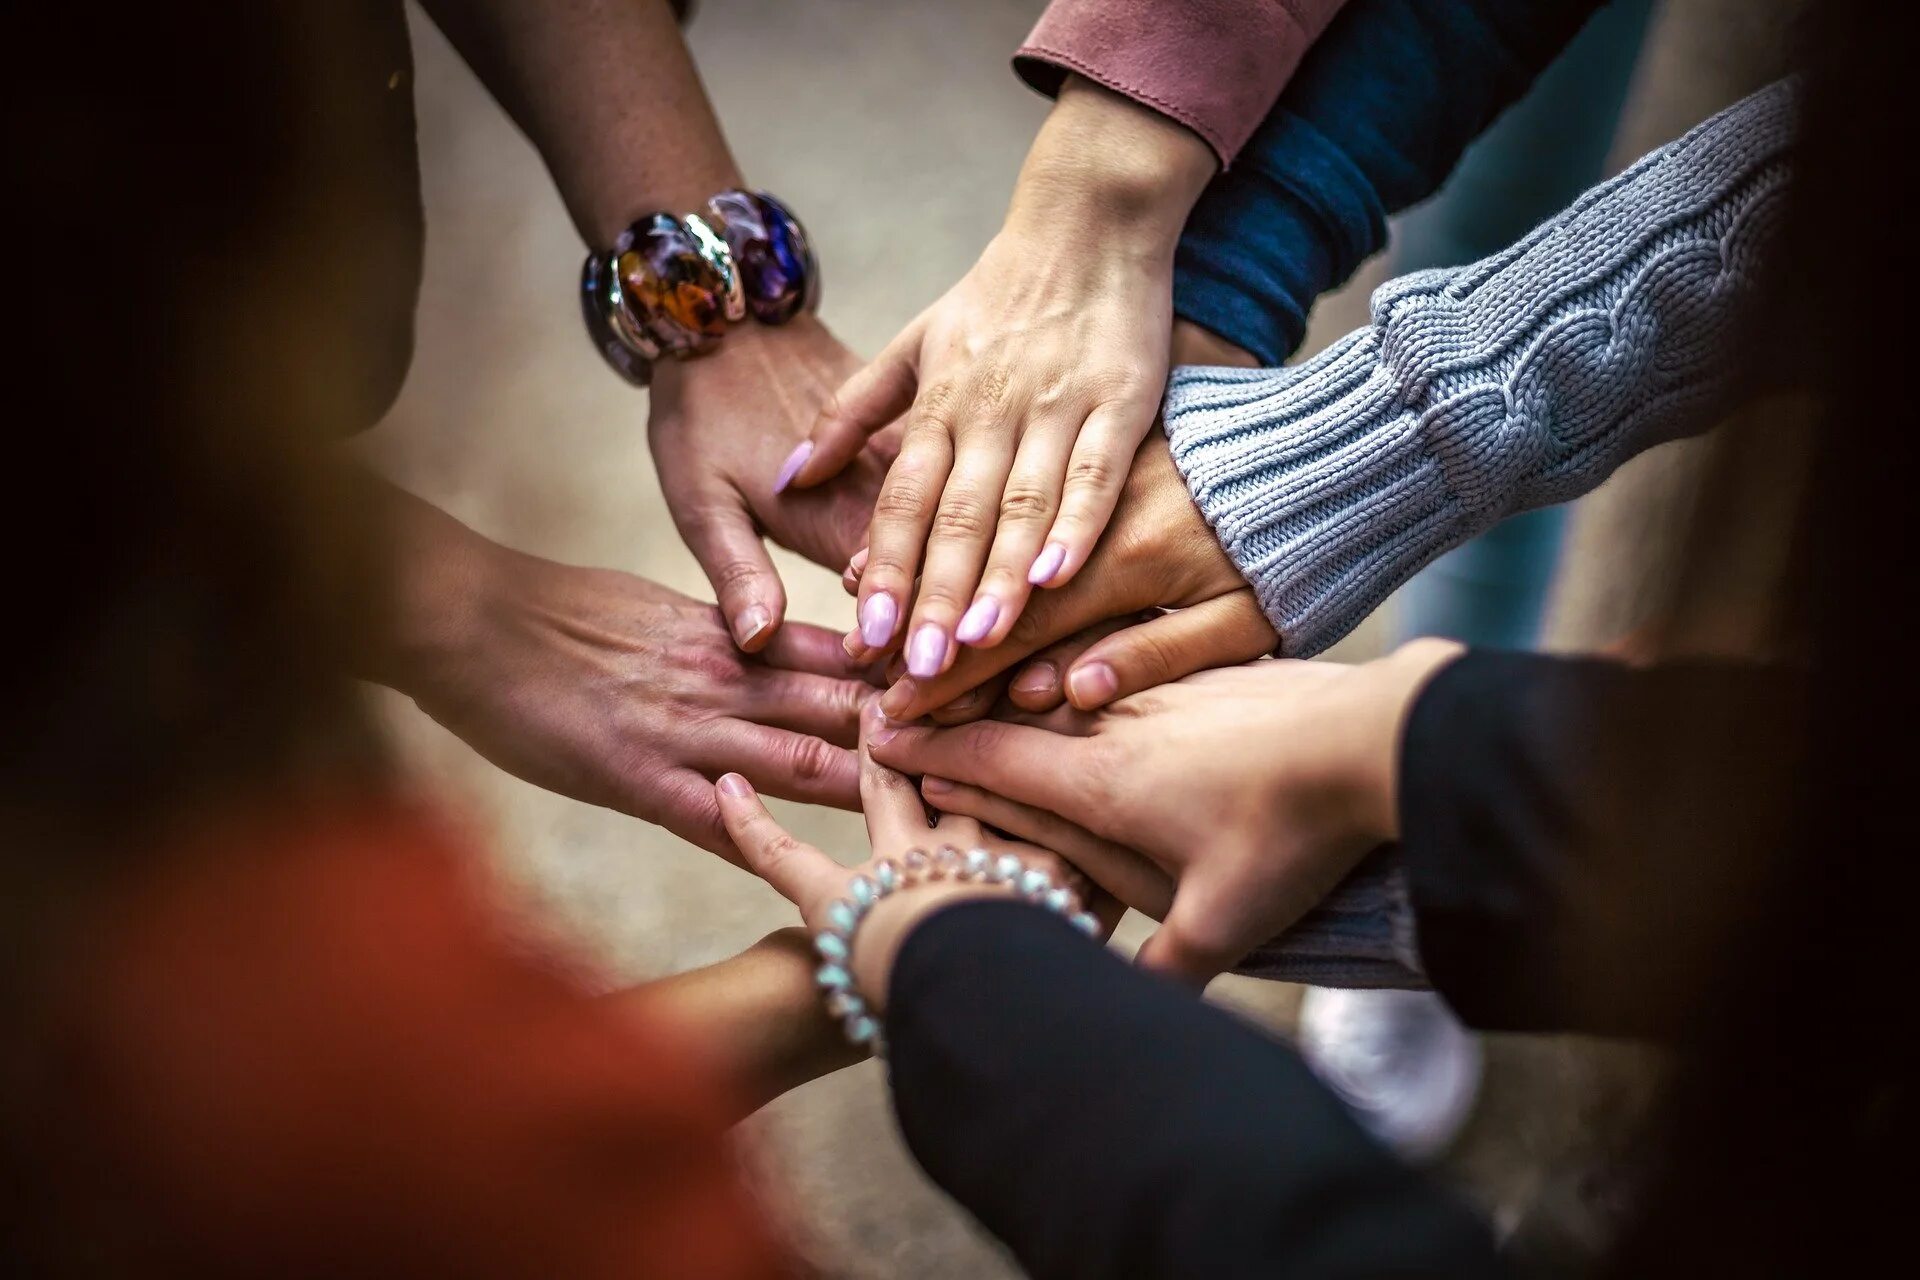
x,y
844,916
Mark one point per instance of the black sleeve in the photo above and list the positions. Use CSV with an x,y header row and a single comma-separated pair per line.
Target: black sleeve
x,y
1105,1122
1579,834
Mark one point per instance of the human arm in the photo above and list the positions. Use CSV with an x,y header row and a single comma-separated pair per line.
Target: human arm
x,y
603,686
1099,1120
1518,381
1374,121
607,92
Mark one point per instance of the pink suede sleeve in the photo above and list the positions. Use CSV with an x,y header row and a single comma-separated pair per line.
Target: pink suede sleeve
x,y
1216,66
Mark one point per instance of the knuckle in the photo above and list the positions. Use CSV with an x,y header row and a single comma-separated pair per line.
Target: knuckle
x,y
1094,469
908,493
732,575
992,388
1025,503
812,759
962,515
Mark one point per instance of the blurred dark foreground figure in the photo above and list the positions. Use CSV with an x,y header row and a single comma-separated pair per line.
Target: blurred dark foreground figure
x,y
262,1012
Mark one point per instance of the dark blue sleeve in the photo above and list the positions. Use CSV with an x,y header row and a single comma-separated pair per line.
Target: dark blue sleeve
x,y
1375,120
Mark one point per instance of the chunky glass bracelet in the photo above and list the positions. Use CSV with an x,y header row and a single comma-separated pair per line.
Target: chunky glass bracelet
x,y
670,286
844,916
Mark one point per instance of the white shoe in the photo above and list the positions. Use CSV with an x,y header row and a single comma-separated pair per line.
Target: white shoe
x,y
1399,1059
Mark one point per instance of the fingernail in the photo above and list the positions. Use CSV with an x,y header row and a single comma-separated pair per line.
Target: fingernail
x,y
878,613
882,732
734,785
927,651
979,620
931,786
858,565
1041,677
1051,557
1091,685
854,644
750,623
791,467
898,698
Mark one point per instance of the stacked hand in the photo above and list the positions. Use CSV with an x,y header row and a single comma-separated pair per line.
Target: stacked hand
x,y
719,427
612,689
1228,803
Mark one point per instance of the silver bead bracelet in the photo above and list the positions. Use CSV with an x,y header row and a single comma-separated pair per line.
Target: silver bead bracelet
x,y
844,916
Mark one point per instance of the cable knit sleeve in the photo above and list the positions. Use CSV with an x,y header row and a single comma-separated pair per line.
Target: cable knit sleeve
x,y
1522,380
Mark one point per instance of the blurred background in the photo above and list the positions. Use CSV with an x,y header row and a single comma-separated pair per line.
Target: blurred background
x,y
896,128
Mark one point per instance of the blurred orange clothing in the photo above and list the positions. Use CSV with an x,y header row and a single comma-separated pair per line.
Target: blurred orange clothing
x,y
320,1048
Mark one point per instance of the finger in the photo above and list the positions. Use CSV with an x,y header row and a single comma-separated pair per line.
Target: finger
x,y
956,549
1047,618
1102,457
1040,685
810,705
1221,632
896,819
1125,873
779,762
683,802
850,576
721,535
901,517
1195,943
864,405
801,646
1029,502
971,705
797,871
1032,765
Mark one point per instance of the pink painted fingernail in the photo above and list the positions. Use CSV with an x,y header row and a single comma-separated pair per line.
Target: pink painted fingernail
x,y
735,785
791,467
878,613
927,651
978,621
1051,557
1091,685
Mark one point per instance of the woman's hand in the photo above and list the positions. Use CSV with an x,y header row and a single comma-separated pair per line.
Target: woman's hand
x,y
1254,790
1159,553
719,425
1030,384
609,688
897,823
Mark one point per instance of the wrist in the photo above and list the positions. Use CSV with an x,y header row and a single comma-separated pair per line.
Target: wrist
x,y
444,575
1391,686
1105,164
1196,344
892,921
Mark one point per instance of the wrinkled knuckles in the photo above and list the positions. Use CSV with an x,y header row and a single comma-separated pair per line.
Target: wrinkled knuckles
x,y
1025,504
963,517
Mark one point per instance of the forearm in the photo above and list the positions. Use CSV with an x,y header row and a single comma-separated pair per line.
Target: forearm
x,y
1374,122
1103,162
607,92
1517,382
1103,1121
1580,837
757,1014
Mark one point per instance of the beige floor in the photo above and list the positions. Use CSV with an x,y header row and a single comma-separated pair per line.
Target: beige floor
x,y
897,129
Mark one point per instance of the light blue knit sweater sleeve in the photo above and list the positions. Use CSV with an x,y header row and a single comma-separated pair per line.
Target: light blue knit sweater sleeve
x,y
1522,380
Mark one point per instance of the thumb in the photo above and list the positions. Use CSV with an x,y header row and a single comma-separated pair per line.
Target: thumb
x,y
1221,632
1194,943
865,404
797,871
721,535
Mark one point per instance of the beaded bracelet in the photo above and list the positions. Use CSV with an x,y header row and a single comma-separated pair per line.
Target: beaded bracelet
x,y
844,916
672,285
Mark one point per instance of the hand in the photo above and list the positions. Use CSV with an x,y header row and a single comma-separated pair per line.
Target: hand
x,y
719,426
612,689
896,823
1030,384
1158,553
1254,790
